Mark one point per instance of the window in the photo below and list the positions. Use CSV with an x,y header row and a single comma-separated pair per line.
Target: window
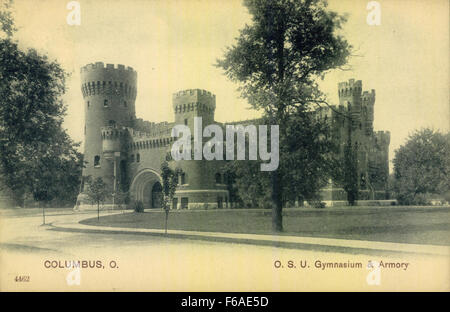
x,y
88,104
185,122
105,103
218,178
112,123
138,157
182,178
175,203
97,161
184,202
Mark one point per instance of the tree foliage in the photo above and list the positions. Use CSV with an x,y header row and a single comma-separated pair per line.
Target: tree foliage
x,y
422,167
169,185
306,164
350,173
97,191
276,61
169,182
36,154
7,27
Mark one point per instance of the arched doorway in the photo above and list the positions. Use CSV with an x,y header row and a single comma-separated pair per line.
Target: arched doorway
x,y
146,187
157,195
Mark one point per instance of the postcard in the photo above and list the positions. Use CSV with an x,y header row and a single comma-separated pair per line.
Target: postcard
x,y
224,146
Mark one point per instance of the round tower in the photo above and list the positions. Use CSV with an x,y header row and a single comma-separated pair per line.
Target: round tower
x,y
191,103
109,95
368,102
198,187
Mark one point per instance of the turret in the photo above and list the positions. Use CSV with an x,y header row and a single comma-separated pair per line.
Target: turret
x,y
191,103
350,97
368,102
350,93
113,141
109,94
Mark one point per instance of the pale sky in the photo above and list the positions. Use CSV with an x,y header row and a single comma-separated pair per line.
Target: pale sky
x,y
174,44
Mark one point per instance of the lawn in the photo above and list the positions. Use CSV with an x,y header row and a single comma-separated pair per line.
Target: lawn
x,y
418,225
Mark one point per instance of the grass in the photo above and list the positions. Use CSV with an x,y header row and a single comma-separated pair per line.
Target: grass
x,y
418,225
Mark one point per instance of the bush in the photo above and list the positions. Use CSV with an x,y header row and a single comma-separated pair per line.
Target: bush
x,y
411,199
138,206
316,203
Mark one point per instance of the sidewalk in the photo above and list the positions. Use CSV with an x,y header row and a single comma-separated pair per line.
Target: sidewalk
x,y
324,244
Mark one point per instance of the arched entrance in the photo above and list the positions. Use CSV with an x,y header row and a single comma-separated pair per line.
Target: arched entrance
x,y
146,187
157,195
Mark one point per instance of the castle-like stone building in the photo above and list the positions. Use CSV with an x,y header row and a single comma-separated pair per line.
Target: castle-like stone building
x,y
127,152
352,124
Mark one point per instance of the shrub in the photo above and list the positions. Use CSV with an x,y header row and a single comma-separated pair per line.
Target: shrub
x,y
138,206
316,203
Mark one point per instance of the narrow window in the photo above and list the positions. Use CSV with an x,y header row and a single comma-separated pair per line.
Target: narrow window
x,y
88,104
105,103
132,157
97,161
183,178
138,157
185,122
112,123
184,202
218,178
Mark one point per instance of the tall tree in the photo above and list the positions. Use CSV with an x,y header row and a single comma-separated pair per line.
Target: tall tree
x,y
276,61
36,154
422,167
306,165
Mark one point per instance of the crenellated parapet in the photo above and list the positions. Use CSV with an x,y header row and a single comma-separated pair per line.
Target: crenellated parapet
x,y
113,140
383,138
152,128
351,87
101,66
113,132
147,142
196,100
368,97
109,80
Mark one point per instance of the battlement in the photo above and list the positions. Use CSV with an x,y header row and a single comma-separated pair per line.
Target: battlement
x,y
101,65
351,83
368,96
197,100
383,137
99,79
193,92
113,132
117,80
141,143
350,88
150,129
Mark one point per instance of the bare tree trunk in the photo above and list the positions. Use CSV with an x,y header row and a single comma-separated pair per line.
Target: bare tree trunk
x,y
277,206
167,217
98,211
43,212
